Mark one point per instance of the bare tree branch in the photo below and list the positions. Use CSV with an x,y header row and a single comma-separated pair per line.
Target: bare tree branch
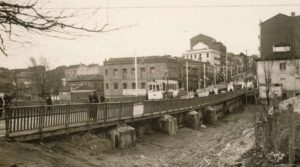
x,y
29,17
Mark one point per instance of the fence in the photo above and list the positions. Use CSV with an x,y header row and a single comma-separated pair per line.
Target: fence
x,y
42,118
43,102
22,119
173,104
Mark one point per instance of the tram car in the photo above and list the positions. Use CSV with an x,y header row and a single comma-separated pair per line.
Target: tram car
x,y
162,89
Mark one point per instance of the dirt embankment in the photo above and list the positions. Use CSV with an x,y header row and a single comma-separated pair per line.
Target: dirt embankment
x,y
210,146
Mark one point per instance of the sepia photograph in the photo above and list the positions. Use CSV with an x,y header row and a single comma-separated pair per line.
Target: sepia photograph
x,y
149,83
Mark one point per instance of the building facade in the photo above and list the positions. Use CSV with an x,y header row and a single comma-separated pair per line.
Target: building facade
x,y
211,43
280,29
83,85
119,73
204,55
73,71
280,54
280,69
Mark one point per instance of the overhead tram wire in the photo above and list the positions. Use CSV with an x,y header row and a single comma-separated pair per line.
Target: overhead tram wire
x,y
178,6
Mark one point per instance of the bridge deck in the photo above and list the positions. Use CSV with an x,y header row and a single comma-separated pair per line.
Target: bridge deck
x,y
27,123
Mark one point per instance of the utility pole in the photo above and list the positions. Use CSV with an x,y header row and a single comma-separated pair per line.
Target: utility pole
x,y
231,70
237,70
187,75
247,64
226,72
215,77
135,67
204,77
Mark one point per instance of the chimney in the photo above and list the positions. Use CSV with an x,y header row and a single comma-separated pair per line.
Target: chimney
x,y
293,14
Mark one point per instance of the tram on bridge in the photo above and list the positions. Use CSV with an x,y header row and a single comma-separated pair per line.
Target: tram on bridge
x,y
160,89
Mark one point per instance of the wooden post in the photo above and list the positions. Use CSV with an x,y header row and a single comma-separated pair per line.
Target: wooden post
x,y
291,134
276,123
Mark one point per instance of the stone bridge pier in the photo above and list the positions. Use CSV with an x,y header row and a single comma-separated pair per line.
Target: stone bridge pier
x,y
122,136
192,119
167,124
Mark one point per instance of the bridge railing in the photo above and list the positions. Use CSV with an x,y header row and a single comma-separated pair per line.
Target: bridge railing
x,y
172,104
42,118
38,118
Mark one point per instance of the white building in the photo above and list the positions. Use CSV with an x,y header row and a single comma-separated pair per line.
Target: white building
x,y
203,53
281,69
74,71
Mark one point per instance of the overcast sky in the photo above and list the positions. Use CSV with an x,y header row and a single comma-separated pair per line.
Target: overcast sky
x,y
160,27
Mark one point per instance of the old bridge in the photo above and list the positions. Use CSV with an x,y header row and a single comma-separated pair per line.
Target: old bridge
x,y
37,122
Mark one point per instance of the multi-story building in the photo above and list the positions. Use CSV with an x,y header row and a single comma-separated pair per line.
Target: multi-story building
x,y
83,85
210,43
74,71
280,54
204,55
279,69
280,29
119,73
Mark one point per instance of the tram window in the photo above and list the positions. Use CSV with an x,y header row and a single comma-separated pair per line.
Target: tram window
x,y
150,87
157,87
164,86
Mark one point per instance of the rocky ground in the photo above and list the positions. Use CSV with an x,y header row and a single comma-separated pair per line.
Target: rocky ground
x,y
221,145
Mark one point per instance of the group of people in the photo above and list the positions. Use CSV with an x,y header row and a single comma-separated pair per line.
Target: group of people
x,y
93,98
4,101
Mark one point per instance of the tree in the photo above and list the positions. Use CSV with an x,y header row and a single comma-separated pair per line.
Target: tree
x,y
39,77
17,18
267,67
55,78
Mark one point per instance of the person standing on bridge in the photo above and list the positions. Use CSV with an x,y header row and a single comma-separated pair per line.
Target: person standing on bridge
x,y
1,106
48,100
93,107
102,98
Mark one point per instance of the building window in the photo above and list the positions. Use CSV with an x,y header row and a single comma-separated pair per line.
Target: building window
x,y
143,70
124,85
132,70
143,85
116,85
106,72
282,66
152,70
207,55
115,72
107,86
124,71
133,85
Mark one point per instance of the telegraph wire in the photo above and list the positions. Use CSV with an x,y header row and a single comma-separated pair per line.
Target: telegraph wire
x,y
178,6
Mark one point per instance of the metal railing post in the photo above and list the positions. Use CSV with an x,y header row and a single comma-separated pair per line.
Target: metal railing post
x,y
8,119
